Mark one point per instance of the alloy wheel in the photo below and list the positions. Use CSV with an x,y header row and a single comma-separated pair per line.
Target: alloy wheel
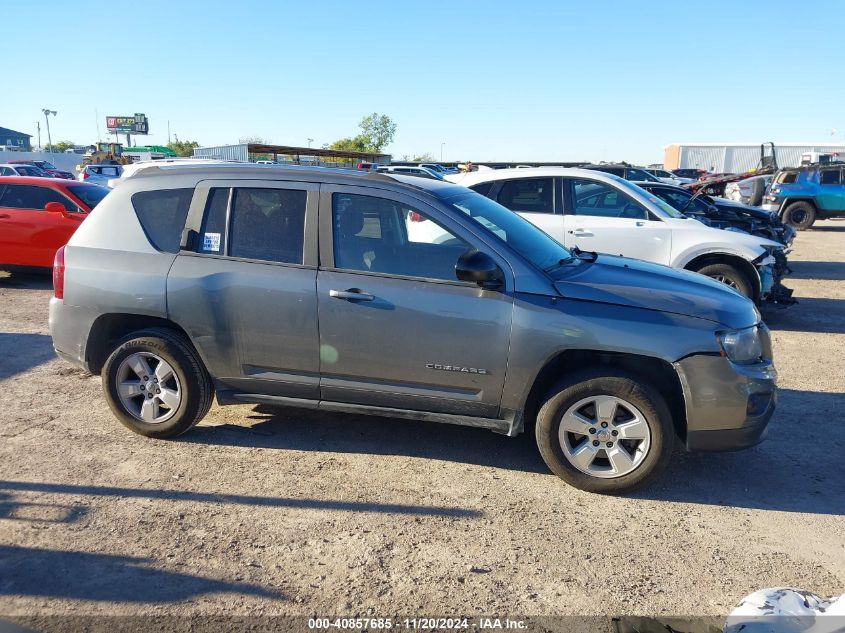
x,y
604,436
148,388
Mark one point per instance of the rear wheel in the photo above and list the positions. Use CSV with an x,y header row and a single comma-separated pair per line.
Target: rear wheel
x,y
799,215
730,276
605,431
156,384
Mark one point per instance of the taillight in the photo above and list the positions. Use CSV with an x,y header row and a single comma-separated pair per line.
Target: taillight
x,y
85,175
413,216
59,274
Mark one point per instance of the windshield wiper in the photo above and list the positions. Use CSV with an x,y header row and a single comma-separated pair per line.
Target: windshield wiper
x,y
690,201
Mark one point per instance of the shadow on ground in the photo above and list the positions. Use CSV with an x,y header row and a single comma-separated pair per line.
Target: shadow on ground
x,y
22,352
58,574
307,430
817,270
7,487
798,468
808,315
42,280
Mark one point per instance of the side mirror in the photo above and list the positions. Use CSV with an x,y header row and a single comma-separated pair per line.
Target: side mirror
x,y
55,207
479,268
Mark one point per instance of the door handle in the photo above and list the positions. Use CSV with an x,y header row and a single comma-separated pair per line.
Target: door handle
x,y
353,294
582,233
640,223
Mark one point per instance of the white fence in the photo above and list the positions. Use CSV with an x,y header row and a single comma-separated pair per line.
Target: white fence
x,y
739,158
67,162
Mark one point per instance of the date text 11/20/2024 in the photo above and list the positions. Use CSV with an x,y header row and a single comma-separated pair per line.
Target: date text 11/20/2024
x,y
421,623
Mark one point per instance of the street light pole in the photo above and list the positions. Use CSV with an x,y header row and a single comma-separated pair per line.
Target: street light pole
x,y
310,140
47,114
441,150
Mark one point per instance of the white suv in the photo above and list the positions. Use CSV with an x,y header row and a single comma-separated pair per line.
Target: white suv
x,y
596,211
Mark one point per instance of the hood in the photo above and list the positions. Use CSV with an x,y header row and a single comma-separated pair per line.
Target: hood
x,y
737,207
638,284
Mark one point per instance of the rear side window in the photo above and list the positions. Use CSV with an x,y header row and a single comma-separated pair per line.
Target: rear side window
x,y
268,224
213,233
786,177
830,177
530,195
483,187
162,215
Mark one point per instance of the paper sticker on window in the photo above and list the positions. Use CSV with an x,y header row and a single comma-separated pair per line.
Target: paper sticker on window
x,y
211,242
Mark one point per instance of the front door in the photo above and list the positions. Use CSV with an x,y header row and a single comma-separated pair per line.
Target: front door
x,y
831,195
397,329
246,291
604,219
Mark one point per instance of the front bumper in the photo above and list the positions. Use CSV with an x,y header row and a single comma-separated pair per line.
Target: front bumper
x,y
728,406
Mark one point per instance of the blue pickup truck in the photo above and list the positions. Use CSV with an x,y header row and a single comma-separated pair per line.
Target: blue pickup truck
x,y
802,195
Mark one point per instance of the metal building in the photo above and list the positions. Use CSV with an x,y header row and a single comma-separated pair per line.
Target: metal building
x,y
738,157
251,152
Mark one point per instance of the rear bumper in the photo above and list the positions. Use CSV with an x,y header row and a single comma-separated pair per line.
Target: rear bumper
x,y
70,327
728,406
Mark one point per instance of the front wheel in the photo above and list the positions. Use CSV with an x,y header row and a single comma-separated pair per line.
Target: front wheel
x,y
156,384
799,215
730,276
605,431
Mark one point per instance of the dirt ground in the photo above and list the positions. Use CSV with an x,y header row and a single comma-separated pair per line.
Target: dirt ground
x,y
305,513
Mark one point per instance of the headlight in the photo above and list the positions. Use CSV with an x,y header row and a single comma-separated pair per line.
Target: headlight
x,y
742,346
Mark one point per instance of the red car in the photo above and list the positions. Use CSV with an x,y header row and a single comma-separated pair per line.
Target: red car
x,y
38,215
47,166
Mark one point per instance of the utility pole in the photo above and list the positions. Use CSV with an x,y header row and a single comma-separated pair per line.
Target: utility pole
x,y
47,114
38,127
168,131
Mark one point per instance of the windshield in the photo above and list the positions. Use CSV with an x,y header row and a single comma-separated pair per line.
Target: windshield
x,y
89,194
657,202
526,239
45,164
640,174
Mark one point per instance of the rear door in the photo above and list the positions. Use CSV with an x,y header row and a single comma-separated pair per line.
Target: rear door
x,y
535,199
29,235
397,329
605,219
245,288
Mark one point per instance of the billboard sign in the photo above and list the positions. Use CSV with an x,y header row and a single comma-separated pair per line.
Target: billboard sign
x,y
137,124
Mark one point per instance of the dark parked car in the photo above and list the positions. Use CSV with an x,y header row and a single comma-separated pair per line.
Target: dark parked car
x,y
695,174
46,166
624,171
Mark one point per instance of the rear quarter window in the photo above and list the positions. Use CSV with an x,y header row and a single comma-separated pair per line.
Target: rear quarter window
x,y
162,215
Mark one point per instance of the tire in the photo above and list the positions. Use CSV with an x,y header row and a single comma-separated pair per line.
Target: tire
x,y
758,188
576,393
730,276
799,215
182,397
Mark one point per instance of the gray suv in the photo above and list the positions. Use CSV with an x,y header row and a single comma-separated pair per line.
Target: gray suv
x,y
402,297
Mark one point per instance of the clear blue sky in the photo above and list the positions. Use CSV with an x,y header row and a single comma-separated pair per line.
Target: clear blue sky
x,y
494,81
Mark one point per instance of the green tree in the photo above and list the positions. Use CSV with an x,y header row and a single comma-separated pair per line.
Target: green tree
x,y
60,147
423,158
253,140
183,148
378,129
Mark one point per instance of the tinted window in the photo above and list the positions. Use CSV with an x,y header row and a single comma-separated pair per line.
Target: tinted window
x,y
483,187
598,199
27,170
268,224
616,171
639,174
532,195
33,198
162,215
379,235
213,233
679,199
7,171
89,194
830,177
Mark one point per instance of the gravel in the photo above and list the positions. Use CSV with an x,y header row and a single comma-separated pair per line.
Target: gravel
x,y
261,511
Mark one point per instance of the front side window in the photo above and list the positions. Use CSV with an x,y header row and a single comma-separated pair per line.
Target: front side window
x,y
528,195
830,177
640,175
385,236
33,198
595,198
268,224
